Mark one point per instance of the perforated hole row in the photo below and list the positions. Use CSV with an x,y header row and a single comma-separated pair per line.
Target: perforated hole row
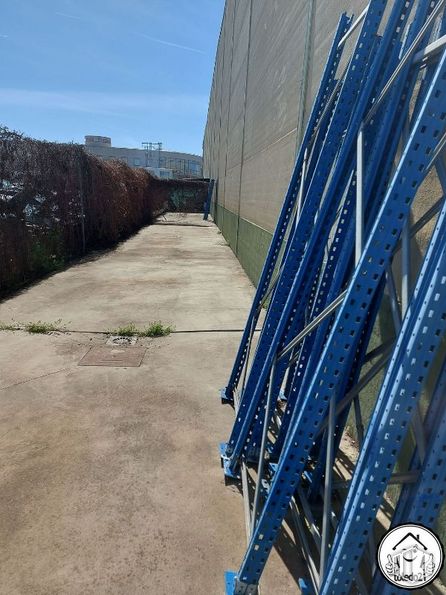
x,y
421,503
349,379
313,344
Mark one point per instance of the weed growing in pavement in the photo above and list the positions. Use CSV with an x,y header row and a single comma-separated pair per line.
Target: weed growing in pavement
x,y
43,328
5,326
155,329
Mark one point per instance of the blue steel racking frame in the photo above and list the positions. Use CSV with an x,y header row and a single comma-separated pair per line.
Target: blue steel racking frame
x,y
323,307
285,314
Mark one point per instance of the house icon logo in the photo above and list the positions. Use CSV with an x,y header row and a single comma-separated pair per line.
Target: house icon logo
x,y
410,556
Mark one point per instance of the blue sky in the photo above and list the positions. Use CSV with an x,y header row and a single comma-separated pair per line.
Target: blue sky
x,y
135,70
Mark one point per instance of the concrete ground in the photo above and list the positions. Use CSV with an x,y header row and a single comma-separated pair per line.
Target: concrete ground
x,y
110,481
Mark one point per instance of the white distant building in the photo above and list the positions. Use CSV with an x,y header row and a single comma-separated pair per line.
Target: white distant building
x,y
161,172
164,164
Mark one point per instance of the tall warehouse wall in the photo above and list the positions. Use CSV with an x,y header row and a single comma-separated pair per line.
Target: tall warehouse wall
x,y
269,61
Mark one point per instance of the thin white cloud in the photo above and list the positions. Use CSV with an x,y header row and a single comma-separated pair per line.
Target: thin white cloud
x,y
69,16
171,44
112,104
4,36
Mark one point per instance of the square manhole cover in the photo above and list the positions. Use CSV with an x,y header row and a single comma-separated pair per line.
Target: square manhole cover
x,y
116,357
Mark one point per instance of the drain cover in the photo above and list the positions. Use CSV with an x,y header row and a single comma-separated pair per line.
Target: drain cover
x,y
121,341
115,357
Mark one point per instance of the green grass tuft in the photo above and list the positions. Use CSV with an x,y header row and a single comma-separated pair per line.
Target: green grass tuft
x,y
5,326
128,330
155,329
43,328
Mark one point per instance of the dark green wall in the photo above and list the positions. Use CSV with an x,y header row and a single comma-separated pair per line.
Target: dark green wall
x,y
249,242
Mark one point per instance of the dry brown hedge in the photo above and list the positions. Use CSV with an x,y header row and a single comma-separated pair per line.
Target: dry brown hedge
x,y
57,203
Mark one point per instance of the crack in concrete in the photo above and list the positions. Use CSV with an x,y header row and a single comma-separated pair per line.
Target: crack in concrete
x,y
174,332
34,378
169,224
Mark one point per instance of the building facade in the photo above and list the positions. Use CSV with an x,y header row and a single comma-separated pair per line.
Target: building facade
x,y
164,164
